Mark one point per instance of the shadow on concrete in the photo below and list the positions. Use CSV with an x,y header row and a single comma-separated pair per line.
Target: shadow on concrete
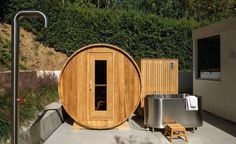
x,y
223,124
132,139
138,120
68,119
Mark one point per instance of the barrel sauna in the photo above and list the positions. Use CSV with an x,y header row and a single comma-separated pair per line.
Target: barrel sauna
x,y
100,86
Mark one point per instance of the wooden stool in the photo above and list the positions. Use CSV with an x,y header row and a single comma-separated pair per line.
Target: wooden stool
x,y
175,130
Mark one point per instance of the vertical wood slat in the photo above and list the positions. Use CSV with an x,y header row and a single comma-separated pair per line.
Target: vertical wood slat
x,y
157,77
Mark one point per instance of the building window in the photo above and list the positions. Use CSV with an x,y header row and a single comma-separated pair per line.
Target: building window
x,y
208,58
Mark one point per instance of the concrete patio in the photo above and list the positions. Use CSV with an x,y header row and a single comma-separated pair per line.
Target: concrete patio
x,y
214,131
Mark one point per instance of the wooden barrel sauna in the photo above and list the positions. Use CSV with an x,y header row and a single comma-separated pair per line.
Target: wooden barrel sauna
x,y
100,86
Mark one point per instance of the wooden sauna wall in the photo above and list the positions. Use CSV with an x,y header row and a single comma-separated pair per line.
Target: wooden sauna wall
x,y
158,76
74,88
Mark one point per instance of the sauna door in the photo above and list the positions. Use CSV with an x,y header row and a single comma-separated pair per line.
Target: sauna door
x,y
100,84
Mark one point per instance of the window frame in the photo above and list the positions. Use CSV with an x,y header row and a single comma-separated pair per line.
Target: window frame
x,y
197,71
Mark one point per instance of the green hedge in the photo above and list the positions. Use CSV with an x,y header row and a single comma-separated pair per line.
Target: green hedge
x,y
141,35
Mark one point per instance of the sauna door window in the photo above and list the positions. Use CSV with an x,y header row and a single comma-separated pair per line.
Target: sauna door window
x,y
100,85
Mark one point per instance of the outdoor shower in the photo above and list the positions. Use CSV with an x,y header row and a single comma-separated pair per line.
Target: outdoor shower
x,y
15,69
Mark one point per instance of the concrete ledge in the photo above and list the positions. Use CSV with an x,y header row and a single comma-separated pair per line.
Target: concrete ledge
x,y
44,126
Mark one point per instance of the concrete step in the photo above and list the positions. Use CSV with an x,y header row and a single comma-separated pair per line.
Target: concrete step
x,y
48,121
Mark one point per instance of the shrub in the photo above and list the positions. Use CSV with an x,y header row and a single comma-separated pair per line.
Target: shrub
x,y
141,35
37,92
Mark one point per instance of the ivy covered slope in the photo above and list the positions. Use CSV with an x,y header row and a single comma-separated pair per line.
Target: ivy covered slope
x,y
5,44
33,55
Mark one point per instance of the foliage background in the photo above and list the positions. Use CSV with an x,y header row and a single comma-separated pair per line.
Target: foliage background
x,y
153,28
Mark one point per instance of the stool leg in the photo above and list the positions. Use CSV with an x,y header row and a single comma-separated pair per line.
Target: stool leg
x,y
186,139
165,131
171,136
